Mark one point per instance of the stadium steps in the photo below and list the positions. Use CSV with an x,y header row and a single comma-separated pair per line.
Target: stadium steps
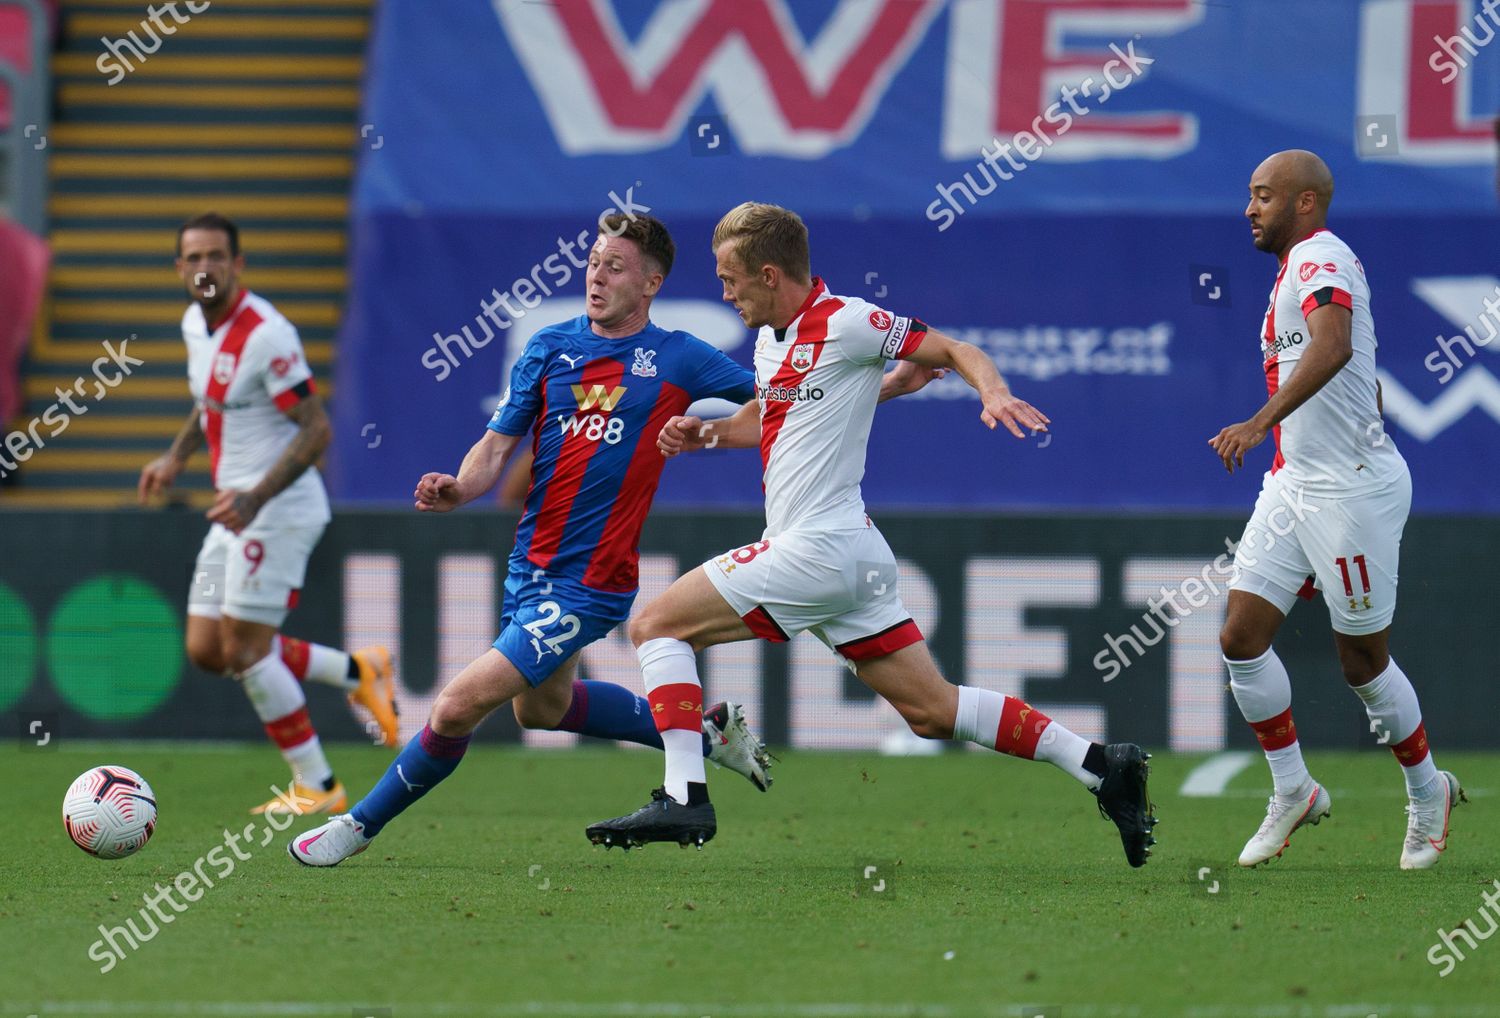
x,y
249,109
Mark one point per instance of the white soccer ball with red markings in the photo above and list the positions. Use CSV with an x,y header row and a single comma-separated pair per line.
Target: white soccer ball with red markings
x,y
110,812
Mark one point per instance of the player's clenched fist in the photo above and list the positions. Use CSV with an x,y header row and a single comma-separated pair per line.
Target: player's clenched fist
x,y
437,493
682,434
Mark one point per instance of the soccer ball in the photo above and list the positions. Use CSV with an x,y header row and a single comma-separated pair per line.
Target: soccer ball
x,y
110,812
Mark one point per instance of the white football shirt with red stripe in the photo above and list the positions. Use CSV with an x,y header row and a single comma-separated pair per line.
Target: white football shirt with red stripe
x,y
818,381
244,375
1334,444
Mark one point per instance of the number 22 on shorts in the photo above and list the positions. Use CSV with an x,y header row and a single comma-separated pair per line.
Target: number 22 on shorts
x,y
551,614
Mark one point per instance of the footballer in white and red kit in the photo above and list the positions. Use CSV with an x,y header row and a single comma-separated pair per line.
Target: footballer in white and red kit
x,y
821,564
257,410
1329,517
817,384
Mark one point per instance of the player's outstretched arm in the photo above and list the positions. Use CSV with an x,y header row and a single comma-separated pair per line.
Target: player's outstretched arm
x,y
975,367
235,509
1330,345
906,378
741,430
482,467
158,475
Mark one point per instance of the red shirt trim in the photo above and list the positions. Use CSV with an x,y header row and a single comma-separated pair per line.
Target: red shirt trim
x,y
1339,297
233,310
913,340
1321,229
296,394
231,346
1273,369
819,289
814,331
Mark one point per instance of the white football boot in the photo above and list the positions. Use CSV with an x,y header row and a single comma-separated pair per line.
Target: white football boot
x,y
731,744
1283,816
1427,824
330,844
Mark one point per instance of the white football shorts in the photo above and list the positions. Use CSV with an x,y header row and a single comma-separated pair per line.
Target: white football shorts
x,y
838,584
255,575
1349,548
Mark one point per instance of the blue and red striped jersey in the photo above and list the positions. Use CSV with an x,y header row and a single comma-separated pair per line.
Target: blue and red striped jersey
x,y
597,405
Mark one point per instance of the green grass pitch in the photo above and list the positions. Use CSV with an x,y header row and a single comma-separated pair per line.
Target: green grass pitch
x,y
1003,893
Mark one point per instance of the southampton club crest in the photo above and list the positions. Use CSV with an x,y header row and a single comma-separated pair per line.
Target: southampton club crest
x,y
802,356
643,365
224,368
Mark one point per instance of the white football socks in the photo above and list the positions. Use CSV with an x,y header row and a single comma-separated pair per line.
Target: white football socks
x,y
1008,725
1396,719
329,666
1263,691
279,703
676,696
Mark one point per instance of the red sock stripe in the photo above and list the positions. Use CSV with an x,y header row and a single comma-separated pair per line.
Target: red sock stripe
x,y
1276,733
295,655
1412,750
292,730
677,705
1021,727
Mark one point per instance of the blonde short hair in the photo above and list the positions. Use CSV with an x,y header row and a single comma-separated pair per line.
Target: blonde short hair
x,y
766,235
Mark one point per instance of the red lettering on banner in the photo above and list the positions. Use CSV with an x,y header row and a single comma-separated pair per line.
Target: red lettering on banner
x,y
606,91
603,93
1416,95
1433,105
1019,50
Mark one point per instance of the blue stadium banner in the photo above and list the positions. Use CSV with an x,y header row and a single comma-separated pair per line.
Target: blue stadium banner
x,y
1058,181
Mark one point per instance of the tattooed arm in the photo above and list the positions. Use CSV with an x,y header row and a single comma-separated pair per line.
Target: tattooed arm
x,y
158,475
235,509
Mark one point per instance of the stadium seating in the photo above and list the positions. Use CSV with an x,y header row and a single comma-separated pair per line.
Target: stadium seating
x,y
249,111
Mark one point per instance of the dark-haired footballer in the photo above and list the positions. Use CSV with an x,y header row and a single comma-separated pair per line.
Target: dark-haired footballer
x,y
256,408
596,391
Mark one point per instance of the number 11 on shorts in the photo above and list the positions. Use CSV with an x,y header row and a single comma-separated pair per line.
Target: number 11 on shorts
x,y
1364,574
